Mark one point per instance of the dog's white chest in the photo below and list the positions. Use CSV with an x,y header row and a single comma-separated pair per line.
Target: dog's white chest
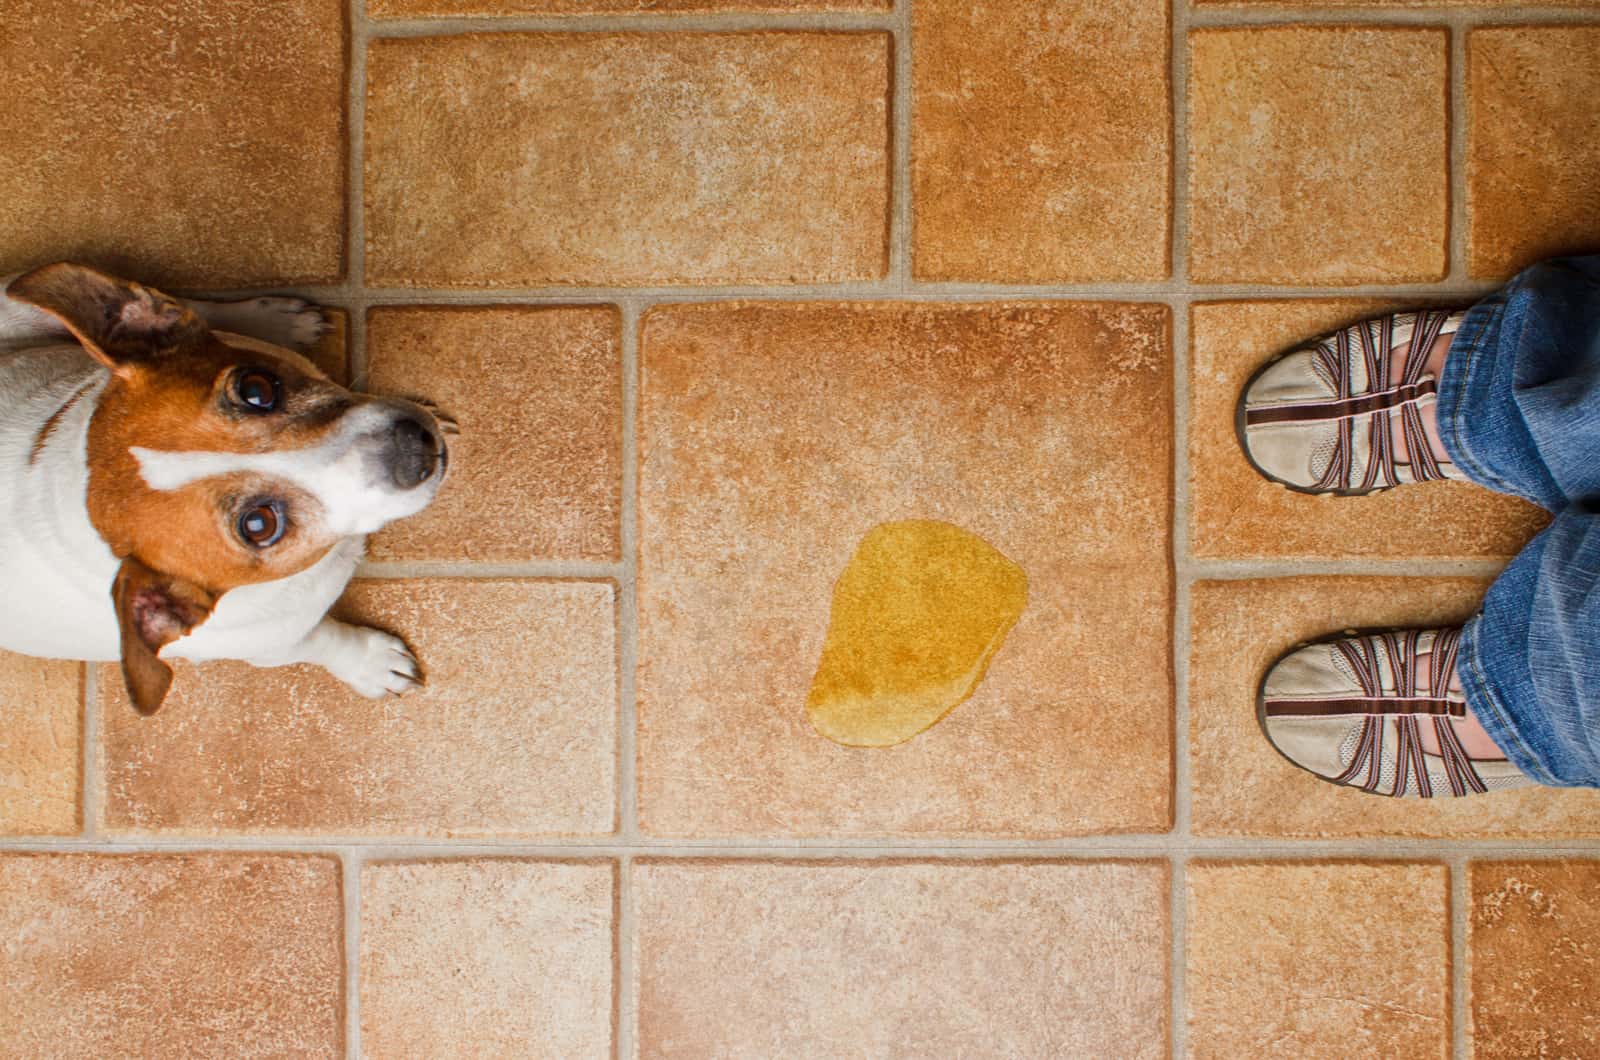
x,y
55,571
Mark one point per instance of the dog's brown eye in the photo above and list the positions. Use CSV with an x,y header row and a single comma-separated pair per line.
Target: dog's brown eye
x,y
257,390
262,524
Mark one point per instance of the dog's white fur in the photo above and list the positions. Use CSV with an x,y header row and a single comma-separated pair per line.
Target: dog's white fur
x,y
56,572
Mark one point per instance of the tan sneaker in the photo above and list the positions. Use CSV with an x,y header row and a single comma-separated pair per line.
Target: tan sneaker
x,y
1350,710
1325,418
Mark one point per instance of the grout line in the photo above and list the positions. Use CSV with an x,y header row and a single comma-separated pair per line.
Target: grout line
x,y
876,290
1178,967
1460,954
1457,87
1226,570
644,22
627,732
628,604
352,861
1117,848
90,781
1242,15
355,293
1178,631
570,570
355,305
626,1046
901,216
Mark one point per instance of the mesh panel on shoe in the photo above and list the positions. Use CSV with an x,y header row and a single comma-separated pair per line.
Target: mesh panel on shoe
x,y
1322,455
1502,783
1342,664
1322,372
1347,746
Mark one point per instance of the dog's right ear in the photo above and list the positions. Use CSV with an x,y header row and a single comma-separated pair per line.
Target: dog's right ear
x,y
120,323
153,610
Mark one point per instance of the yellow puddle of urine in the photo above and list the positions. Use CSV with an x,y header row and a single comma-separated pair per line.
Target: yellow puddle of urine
x,y
918,613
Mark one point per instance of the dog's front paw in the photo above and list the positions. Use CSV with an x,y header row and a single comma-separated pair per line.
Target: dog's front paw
x,y
292,322
375,664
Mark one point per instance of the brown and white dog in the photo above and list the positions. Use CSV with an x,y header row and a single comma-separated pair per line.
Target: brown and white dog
x,y
176,482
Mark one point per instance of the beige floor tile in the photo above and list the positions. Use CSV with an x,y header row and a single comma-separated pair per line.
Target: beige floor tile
x,y
452,8
192,955
1242,786
1333,960
41,745
1535,940
196,144
891,959
628,158
536,472
487,957
1287,182
1042,146
1533,145
515,733
1234,513
773,437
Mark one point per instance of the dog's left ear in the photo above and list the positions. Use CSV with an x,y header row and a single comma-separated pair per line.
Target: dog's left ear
x,y
120,323
153,610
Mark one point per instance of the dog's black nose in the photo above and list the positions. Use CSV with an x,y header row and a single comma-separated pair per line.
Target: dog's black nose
x,y
414,454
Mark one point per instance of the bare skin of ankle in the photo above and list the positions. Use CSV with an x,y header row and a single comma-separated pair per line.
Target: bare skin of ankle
x,y
1474,740
1429,409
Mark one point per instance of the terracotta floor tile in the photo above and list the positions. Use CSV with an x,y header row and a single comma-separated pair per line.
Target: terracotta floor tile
x,y
536,472
192,144
193,955
1332,960
1042,147
1535,958
332,351
1242,786
1234,513
454,8
773,437
515,733
1384,3
1533,145
891,959
487,957
1286,182
628,158
41,745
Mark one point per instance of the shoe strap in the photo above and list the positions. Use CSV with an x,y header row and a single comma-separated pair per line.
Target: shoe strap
x,y
1371,343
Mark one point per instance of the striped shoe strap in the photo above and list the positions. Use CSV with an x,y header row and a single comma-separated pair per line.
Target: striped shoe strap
x,y
1371,344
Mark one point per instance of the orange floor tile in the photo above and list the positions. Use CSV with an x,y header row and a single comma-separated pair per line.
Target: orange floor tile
x,y
714,289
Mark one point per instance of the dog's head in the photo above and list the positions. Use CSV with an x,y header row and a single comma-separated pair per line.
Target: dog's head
x,y
217,461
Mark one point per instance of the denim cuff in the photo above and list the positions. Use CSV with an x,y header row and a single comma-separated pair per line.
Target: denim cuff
x,y
1488,705
1469,374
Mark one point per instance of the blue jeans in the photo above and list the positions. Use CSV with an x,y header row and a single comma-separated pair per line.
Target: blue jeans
x,y
1519,412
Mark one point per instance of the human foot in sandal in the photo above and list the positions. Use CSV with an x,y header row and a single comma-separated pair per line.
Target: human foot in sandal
x,y
1382,712
1352,412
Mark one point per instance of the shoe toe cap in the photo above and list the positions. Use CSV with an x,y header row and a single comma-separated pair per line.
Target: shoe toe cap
x,y
1311,742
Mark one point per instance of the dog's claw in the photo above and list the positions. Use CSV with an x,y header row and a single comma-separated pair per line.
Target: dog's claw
x,y
378,665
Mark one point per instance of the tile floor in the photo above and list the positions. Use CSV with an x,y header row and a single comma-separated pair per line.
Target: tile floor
x,y
714,287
